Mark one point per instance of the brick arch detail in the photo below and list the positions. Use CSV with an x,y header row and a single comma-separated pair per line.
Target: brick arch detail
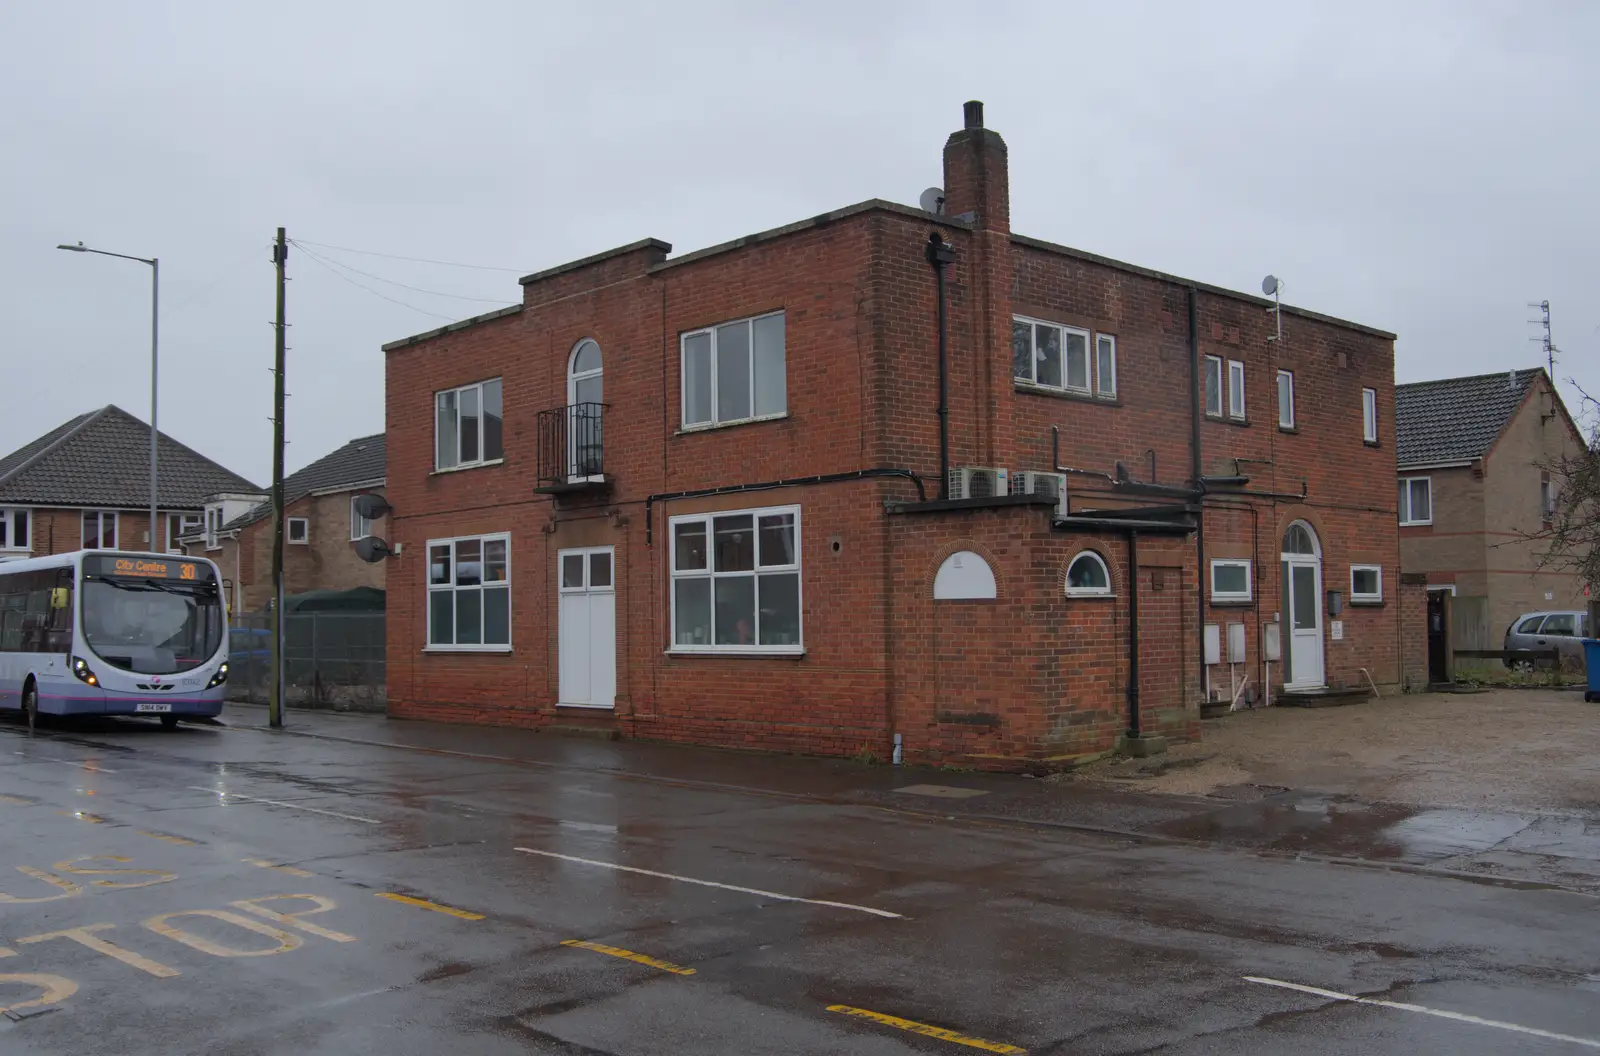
x,y
1287,516
932,571
1112,550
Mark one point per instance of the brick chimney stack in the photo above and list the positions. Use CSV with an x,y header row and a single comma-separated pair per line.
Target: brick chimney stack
x,y
977,179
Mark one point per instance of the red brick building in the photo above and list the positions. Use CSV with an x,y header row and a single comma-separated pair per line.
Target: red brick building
x,y
705,497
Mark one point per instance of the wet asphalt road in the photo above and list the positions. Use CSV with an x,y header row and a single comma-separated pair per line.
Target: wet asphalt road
x,y
232,891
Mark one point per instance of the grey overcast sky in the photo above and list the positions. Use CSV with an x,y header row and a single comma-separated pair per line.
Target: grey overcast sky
x,y
1427,168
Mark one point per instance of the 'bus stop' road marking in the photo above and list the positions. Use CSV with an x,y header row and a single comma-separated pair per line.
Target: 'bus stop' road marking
x,y
713,883
928,1030
278,803
15,801
93,819
423,903
179,840
1459,1017
628,955
291,870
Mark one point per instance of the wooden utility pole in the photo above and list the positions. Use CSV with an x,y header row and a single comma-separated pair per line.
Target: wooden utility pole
x,y
280,257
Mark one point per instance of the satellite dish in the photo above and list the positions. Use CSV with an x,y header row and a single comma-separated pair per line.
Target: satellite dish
x,y
372,549
932,200
371,506
1269,285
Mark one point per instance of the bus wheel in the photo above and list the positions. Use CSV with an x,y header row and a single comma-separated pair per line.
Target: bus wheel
x,y
169,722
30,704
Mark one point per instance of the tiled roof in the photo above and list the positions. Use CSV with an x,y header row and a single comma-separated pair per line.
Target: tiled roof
x,y
1455,419
103,459
361,461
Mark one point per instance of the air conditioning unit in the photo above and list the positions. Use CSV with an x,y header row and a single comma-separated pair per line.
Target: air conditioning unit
x,y
1044,485
978,482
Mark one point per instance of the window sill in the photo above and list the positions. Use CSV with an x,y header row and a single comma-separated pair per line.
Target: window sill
x,y
1086,595
736,654
1232,603
711,427
1080,395
1416,524
1218,419
501,650
1288,428
1370,443
1366,603
470,466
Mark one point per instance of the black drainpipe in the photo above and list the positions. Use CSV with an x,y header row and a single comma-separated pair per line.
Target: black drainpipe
x,y
1198,481
1133,635
940,254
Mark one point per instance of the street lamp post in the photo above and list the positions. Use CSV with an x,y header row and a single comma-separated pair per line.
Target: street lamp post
x,y
155,315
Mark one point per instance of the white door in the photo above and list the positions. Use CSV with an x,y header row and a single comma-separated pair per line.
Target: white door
x,y
587,627
1302,587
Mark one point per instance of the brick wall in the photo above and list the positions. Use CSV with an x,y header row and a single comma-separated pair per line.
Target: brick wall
x,y
1414,631
60,530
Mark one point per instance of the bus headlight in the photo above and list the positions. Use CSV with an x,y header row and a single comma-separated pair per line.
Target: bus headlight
x,y
80,667
220,677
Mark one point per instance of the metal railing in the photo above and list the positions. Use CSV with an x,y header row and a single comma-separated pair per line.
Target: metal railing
x,y
571,450
330,659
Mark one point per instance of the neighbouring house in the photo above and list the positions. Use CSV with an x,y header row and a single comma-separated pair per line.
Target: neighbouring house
x,y
1474,459
86,485
734,497
321,523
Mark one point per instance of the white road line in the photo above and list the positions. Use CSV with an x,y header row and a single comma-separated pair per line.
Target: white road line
x,y
1477,1021
291,806
93,768
713,883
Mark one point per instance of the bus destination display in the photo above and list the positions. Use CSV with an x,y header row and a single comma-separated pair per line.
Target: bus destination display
x,y
147,568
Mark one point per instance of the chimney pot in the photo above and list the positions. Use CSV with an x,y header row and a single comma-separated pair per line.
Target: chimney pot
x,y
973,112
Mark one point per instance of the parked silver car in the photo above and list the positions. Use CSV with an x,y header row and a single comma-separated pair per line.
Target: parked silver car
x,y
1560,631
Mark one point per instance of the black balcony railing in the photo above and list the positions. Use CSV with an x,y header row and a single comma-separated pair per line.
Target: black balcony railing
x,y
571,451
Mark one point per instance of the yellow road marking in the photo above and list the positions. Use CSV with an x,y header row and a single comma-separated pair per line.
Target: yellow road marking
x,y
291,870
295,920
286,940
927,1030
86,936
179,840
13,801
56,989
4,952
628,955
71,866
93,819
425,904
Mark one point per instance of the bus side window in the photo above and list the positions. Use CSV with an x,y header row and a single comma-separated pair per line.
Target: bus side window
x,y
58,633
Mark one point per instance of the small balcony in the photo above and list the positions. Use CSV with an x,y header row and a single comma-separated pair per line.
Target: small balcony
x,y
571,450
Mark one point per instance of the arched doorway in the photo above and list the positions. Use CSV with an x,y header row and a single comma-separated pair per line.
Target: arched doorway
x,y
585,401
1302,607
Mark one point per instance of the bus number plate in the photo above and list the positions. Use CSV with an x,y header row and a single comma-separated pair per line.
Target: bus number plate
x,y
162,707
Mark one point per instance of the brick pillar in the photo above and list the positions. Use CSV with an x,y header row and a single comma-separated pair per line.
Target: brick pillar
x,y
977,189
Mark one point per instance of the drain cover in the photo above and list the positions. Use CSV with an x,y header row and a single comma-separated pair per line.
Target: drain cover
x,y
942,791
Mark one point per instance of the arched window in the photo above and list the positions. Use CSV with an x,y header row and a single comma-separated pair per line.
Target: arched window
x,y
1299,540
1087,575
585,396
963,575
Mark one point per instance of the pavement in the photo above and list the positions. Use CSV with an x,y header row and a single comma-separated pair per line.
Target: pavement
x,y
355,885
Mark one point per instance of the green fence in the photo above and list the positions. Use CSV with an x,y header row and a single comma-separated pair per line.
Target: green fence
x,y
330,660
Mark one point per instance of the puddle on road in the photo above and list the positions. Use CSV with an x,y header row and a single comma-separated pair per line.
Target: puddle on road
x,y
1300,822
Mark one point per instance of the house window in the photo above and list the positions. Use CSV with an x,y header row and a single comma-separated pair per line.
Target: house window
x,y
1366,583
1053,356
1547,501
1236,390
1087,576
1285,399
1416,500
99,530
1214,386
1369,415
736,582
213,527
1230,580
180,525
297,530
468,428
360,527
469,593
734,372
14,530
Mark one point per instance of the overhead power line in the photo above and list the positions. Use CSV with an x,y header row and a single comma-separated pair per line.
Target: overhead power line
x,y
414,260
391,282
384,296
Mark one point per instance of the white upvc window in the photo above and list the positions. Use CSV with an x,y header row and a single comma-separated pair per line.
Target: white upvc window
x,y
14,534
1416,500
1369,415
1547,500
1054,356
1088,576
213,527
469,593
360,527
99,530
734,372
178,526
1285,399
468,426
1366,583
297,531
1236,390
736,581
1230,579
1213,383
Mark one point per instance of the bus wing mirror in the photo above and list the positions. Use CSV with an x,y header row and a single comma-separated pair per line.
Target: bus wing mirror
x,y
58,597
